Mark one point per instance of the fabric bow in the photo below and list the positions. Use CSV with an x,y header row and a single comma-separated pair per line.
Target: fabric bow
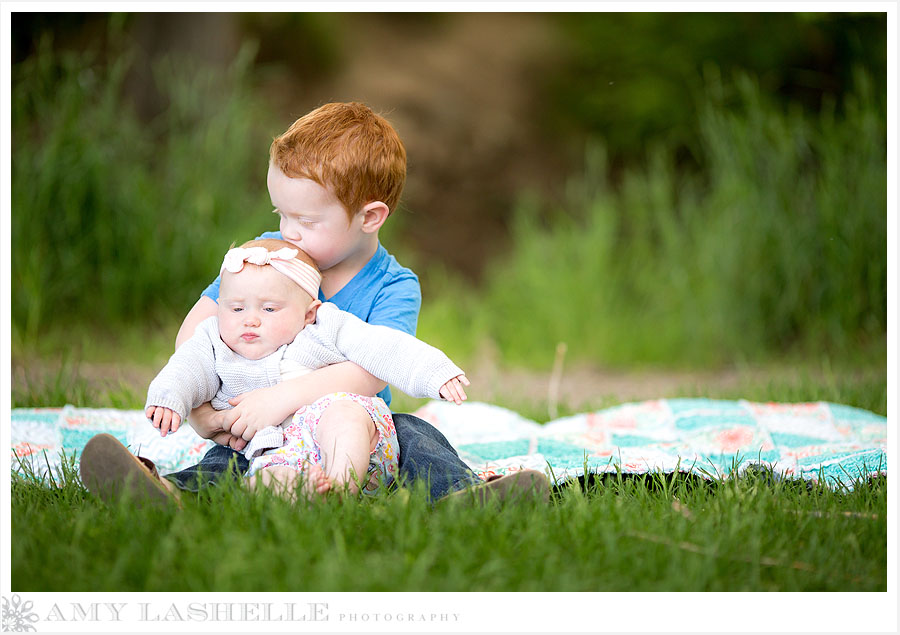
x,y
236,257
284,261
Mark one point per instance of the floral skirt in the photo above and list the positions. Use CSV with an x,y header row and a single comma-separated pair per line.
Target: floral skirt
x,y
301,447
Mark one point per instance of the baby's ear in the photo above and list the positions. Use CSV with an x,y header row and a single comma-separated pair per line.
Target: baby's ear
x,y
311,312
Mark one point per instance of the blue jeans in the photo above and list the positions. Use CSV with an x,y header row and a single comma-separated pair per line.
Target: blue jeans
x,y
219,462
425,453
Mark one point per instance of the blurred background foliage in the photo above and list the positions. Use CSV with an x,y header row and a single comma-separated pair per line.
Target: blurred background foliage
x,y
649,187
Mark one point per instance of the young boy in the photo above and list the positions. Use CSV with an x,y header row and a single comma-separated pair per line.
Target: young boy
x,y
334,177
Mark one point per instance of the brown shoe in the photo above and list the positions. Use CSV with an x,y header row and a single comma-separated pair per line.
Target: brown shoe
x,y
110,471
521,485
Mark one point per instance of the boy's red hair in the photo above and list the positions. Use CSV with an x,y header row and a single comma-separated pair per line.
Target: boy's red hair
x,y
348,149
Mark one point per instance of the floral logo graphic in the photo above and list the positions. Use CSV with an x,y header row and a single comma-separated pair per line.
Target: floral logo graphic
x,y
17,615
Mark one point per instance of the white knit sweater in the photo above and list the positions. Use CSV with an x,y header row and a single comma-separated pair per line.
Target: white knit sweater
x,y
205,369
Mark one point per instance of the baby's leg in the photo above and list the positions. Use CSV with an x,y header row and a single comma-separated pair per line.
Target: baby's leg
x,y
280,479
283,481
346,437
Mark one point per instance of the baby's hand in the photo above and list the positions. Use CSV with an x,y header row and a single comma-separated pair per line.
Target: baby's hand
x,y
165,419
255,410
453,389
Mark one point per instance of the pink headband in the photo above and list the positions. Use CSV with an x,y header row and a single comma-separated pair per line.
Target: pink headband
x,y
284,261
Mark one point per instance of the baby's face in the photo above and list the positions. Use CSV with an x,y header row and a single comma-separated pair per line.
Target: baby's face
x,y
260,310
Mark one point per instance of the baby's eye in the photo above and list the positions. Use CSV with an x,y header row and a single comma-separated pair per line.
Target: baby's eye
x,y
270,309
237,309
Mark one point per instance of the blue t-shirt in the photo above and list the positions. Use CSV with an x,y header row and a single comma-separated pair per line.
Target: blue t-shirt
x,y
382,292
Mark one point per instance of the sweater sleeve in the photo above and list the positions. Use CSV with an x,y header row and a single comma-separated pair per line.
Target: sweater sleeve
x,y
189,378
398,358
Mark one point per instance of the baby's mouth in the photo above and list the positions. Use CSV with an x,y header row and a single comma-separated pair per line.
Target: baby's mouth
x,y
249,337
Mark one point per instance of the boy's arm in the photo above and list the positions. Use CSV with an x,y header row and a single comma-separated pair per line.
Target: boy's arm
x,y
263,407
205,307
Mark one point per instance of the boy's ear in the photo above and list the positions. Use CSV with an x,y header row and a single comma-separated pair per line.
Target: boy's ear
x,y
373,216
311,312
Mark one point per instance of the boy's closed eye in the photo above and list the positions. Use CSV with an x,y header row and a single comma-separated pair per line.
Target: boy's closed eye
x,y
305,221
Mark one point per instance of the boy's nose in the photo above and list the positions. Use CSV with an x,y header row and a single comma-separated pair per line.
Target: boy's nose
x,y
290,231
251,319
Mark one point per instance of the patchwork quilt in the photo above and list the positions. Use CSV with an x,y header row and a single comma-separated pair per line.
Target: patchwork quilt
x,y
819,441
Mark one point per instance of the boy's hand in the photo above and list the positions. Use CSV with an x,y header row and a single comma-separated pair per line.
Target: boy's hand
x,y
210,423
164,419
453,389
255,410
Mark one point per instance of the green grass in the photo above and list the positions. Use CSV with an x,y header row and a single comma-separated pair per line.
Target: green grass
x,y
65,386
777,244
117,218
618,533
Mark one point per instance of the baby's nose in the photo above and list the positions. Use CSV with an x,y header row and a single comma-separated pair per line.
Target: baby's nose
x,y
251,319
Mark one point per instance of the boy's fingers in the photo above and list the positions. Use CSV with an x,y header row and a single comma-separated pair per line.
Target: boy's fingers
x,y
238,428
464,380
228,418
224,438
